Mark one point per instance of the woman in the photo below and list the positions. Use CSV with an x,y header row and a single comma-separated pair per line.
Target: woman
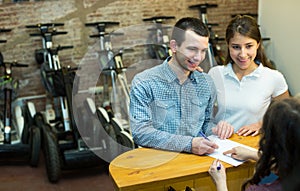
x,y
279,150
246,84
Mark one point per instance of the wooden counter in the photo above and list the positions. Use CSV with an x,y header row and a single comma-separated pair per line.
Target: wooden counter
x,y
147,169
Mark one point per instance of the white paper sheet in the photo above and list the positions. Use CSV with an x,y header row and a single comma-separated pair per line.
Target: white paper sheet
x,y
225,145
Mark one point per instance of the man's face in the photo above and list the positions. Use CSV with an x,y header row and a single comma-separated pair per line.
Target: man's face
x,y
192,51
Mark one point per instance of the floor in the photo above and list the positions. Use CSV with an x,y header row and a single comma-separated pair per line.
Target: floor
x,y
15,177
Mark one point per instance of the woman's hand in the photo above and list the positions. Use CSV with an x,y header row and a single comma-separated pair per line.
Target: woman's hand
x,y
218,175
223,130
252,129
242,153
199,69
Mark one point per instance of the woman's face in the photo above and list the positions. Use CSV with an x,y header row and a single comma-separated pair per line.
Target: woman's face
x,y
243,51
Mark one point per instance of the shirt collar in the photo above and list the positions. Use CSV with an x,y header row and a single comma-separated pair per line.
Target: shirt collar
x,y
193,77
170,74
228,70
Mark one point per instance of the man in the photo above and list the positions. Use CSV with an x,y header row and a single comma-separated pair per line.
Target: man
x,y
171,104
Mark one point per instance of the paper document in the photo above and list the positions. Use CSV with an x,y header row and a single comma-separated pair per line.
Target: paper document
x,y
225,145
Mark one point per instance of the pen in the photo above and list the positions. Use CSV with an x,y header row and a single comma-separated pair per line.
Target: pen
x,y
203,135
218,165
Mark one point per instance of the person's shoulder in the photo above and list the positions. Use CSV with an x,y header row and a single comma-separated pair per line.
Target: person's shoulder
x,y
270,71
267,69
148,75
149,71
276,185
218,67
215,69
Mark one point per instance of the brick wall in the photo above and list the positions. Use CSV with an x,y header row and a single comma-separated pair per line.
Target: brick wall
x,y
75,13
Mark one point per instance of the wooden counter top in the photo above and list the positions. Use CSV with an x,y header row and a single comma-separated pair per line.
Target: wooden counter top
x,y
144,167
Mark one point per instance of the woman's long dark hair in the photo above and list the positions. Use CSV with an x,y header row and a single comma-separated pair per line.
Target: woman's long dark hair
x,y
280,141
248,27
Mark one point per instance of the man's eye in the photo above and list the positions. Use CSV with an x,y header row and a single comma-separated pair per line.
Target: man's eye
x,y
193,49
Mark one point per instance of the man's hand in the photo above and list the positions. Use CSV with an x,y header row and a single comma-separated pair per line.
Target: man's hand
x,y
242,153
223,130
201,146
252,129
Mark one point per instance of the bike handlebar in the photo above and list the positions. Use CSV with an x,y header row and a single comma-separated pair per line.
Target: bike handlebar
x,y
5,30
15,64
250,14
102,23
216,38
212,24
203,6
101,27
52,33
158,19
266,38
65,47
45,25
103,34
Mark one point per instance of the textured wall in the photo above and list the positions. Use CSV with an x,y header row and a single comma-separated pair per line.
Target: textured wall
x,y
75,13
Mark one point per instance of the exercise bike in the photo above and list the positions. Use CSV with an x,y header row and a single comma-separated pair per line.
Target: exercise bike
x,y
20,139
63,146
158,40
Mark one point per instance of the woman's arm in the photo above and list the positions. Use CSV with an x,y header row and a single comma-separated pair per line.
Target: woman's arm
x,y
286,94
218,175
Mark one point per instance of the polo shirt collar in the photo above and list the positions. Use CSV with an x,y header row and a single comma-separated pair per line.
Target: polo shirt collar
x,y
228,71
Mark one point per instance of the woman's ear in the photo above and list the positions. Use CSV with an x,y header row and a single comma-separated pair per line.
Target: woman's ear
x,y
173,46
258,44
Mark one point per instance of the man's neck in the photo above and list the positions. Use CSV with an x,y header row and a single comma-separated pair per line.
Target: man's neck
x,y
181,73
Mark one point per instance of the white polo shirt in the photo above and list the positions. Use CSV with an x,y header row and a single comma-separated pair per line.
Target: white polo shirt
x,y
245,102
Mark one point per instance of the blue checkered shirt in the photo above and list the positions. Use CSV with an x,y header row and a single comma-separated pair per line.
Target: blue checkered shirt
x,y
167,115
